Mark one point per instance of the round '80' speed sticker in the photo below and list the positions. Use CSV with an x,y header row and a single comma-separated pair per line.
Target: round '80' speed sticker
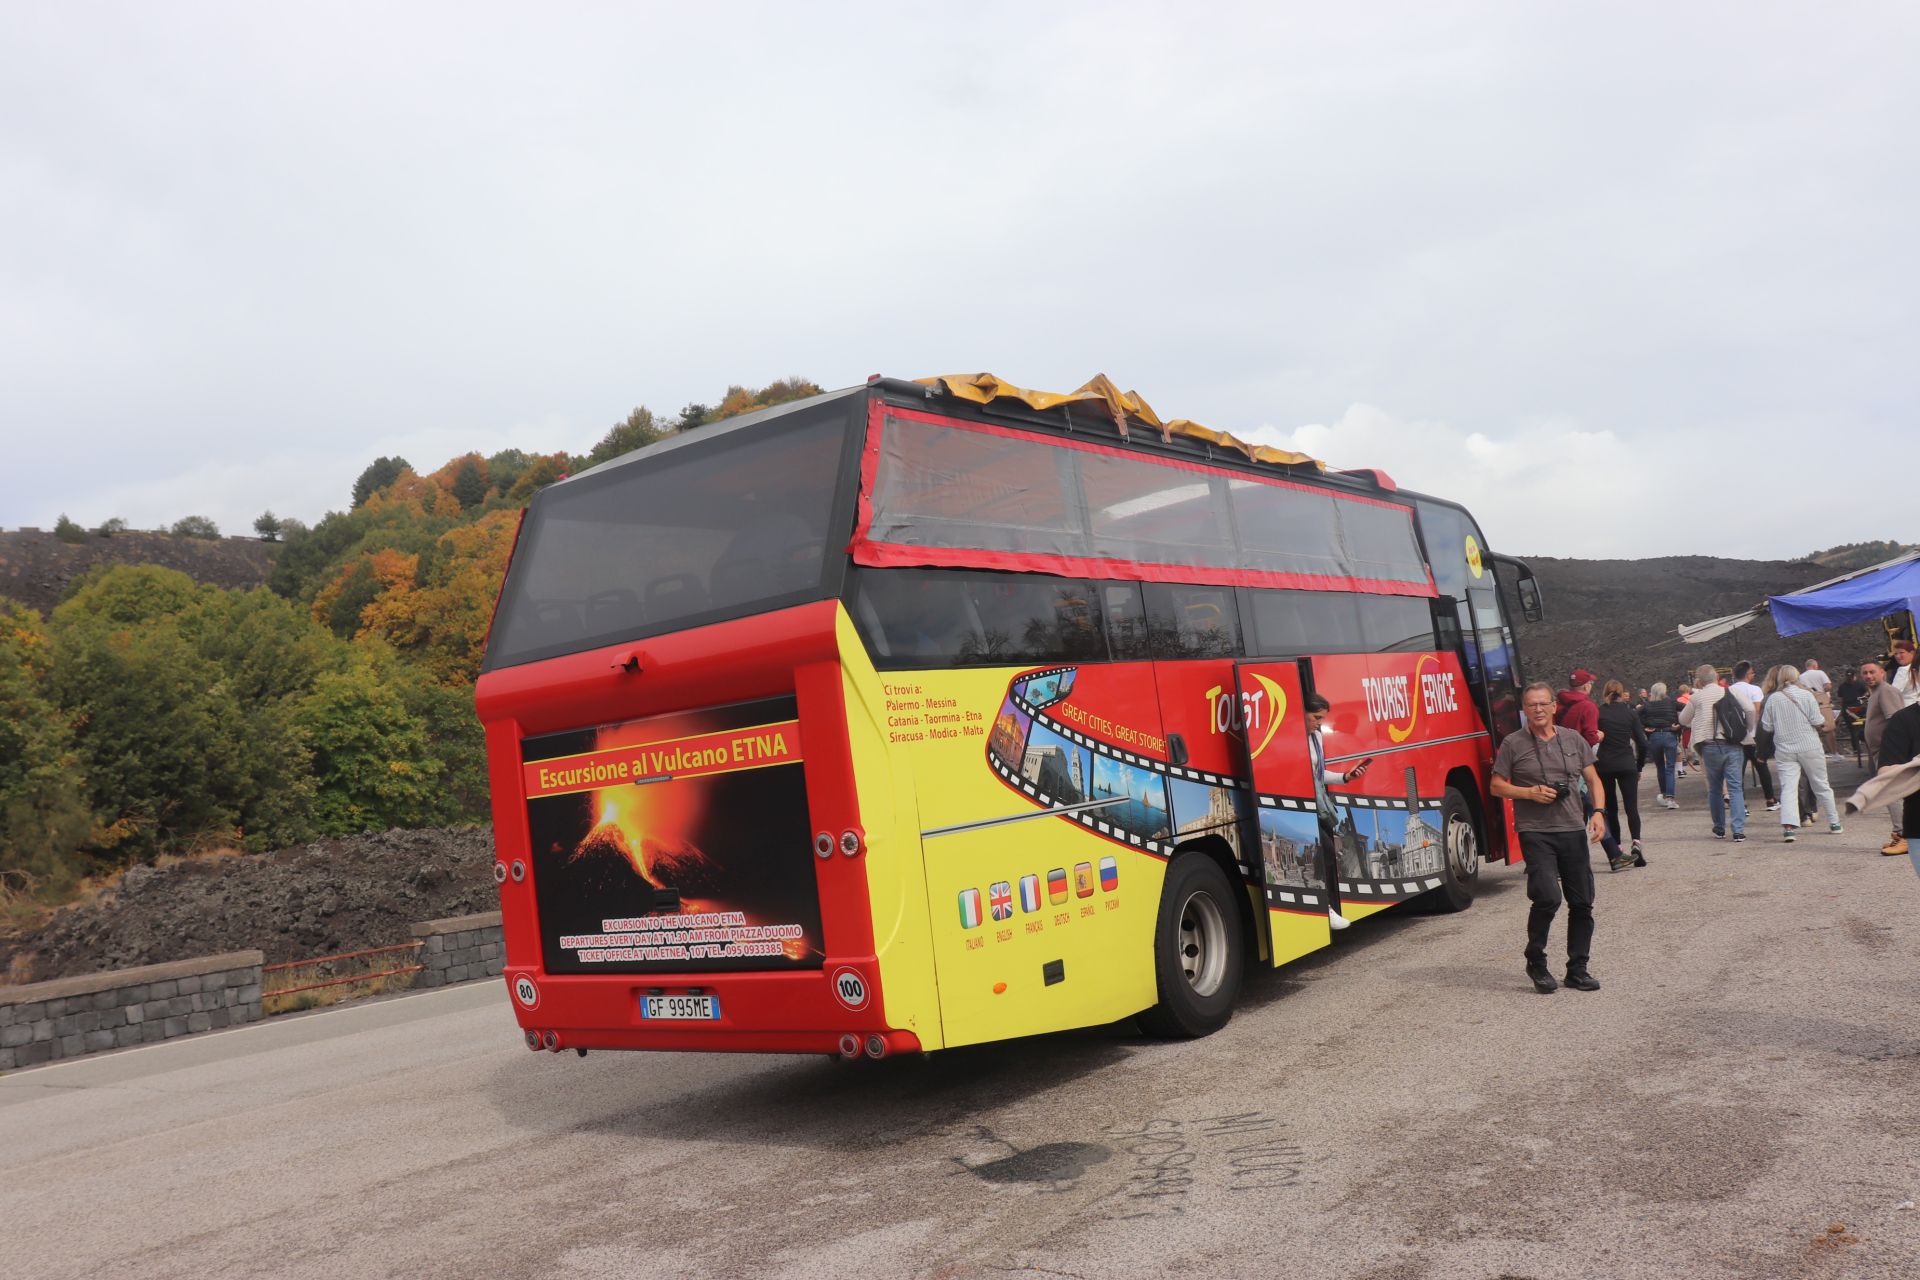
x,y
526,992
850,988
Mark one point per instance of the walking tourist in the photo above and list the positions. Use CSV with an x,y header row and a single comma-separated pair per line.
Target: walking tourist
x,y
1329,813
1622,755
1898,744
1687,756
1539,767
1813,679
1905,675
1575,707
1660,720
1793,717
1744,686
1883,703
1721,755
1851,697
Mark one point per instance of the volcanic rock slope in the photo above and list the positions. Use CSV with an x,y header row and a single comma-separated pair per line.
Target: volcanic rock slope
x,y
1617,618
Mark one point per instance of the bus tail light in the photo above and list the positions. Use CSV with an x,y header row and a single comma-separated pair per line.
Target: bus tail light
x,y
876,1046
552,1041
849,1046
533,1041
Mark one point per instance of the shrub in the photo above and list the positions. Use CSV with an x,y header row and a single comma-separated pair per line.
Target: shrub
x,y
67,531
195,527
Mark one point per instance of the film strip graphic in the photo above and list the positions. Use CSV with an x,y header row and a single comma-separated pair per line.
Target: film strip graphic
x,y
1280,896
1396,888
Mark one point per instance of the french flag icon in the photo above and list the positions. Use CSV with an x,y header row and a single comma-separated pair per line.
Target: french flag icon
x,y
1029,893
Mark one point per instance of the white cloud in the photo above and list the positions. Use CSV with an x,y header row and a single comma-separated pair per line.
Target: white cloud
x,y
1556,488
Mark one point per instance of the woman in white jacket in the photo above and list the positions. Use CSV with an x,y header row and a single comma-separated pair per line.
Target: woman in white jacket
x,y
1793,717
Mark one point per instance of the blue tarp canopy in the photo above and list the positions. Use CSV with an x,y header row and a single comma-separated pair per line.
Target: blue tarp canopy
x,y
1891,588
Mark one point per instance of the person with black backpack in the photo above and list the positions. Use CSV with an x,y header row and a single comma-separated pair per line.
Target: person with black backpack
x,y
1720,723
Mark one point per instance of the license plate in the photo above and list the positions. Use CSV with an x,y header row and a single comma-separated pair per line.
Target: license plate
x,y
680,1008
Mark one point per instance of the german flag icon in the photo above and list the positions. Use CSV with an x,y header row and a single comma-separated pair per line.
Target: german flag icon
x,y
1057,886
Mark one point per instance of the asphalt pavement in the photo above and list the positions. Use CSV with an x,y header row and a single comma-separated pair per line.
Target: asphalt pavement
x,y
1742,1098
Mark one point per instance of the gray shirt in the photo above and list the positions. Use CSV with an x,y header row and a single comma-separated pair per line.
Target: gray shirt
x,y
1527,761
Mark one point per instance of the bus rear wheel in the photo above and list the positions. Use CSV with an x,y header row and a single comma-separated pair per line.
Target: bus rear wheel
x,y
1199,950
1460,855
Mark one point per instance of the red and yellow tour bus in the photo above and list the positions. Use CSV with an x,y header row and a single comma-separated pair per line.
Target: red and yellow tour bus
x,y
918,715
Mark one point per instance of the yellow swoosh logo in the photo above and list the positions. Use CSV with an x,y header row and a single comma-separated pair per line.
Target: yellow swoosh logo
x,y
1413,701
1279,697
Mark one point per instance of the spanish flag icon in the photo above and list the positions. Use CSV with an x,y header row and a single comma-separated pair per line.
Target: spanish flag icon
x,y
1057,886
1083,879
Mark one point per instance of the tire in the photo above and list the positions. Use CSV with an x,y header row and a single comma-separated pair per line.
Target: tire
x,y
1460,856
1199,951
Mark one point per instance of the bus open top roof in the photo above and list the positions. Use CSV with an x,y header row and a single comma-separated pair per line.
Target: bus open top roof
x,y
1121,406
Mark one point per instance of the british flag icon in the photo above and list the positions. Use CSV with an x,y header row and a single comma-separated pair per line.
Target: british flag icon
x,y
1000,900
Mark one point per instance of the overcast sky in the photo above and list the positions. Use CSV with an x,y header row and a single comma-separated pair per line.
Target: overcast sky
x,y
1551,259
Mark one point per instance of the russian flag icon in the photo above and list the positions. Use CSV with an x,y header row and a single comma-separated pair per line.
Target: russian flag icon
x,y
969,908
1029,893
1109,875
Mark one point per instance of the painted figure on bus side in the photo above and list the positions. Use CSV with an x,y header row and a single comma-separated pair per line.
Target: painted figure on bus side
x,y
1539,767
1330,836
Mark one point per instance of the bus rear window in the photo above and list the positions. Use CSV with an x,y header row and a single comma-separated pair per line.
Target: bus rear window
x,y
701,533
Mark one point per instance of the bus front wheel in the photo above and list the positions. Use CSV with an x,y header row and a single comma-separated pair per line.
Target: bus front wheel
x,y
1460,855
1199,950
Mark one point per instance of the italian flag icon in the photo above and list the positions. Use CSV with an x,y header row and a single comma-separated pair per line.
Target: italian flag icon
x,y
969,908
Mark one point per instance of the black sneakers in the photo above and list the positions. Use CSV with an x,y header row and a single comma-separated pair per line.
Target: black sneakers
x,y
1542,980
1581,980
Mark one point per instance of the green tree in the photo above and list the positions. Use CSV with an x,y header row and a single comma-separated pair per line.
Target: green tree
x,y
268,526
175,745
67,531
127,594
361,589
691,416
45,820
308,556
380,473
111,526
637,431
372,758
470,485
195,527
507,466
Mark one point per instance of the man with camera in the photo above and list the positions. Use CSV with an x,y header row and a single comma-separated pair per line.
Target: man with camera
x,y
1540,767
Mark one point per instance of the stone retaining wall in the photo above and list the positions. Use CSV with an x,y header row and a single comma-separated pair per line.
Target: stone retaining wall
x,y
459,949
67,1017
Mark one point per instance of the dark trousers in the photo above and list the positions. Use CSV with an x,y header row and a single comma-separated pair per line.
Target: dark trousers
x,y
1623,791
1557,867
1329,864
1760,767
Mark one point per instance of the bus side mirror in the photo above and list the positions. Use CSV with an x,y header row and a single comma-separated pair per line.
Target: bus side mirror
x,y
1529,591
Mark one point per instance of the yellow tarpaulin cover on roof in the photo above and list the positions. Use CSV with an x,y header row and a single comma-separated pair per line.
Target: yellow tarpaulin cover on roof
x,y
1121,406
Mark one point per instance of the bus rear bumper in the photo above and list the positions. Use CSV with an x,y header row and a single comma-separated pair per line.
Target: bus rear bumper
x,y
835,1010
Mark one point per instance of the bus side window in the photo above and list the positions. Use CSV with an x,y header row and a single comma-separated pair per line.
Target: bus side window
x,y
1191,622
1126,621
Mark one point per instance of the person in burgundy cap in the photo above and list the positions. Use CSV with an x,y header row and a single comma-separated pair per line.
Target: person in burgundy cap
x,y
1576,710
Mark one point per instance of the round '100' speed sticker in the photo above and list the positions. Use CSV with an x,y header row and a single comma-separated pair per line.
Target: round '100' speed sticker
x,y
525,992
850,988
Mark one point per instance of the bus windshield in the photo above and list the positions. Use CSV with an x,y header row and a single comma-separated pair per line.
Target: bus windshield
x,y
700,533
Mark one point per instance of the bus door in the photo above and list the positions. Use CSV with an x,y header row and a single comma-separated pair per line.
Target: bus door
x,y
1281,826
1411,717
1195,636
